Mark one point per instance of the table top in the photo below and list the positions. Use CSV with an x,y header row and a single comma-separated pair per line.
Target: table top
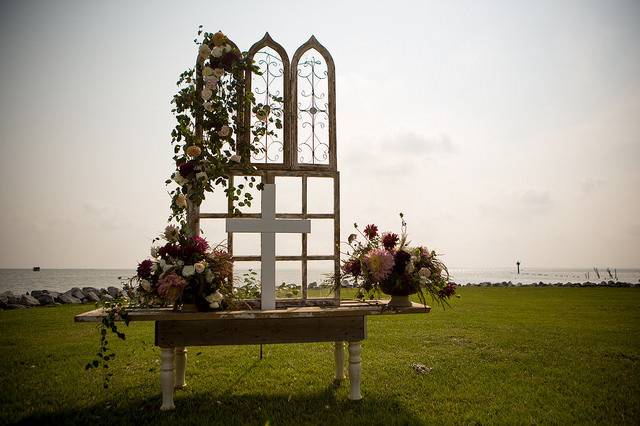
x,y
346,308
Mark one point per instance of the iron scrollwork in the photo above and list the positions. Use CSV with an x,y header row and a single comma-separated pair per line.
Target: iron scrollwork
x,y
313,110
267,88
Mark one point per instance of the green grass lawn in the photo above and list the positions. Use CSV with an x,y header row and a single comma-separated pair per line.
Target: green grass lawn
x,y
499,355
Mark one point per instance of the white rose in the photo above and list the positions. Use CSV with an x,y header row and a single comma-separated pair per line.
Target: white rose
x,y
424,273
211,84
224,131
204,50
171,233
216,52
208,106
235,158
180,180
146,285
207,71
218,72
181,201
188,270
206,94
199,267
214,299
410,267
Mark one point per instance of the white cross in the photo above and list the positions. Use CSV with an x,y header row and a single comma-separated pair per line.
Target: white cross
x,y
267,227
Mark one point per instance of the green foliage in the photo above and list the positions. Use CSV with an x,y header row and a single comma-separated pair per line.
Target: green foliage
x,y
114,312
250,288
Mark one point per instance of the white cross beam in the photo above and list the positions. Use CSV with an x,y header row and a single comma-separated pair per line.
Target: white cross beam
x,y
267,226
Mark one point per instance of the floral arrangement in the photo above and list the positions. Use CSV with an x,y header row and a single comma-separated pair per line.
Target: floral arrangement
x,y
184,270
387,263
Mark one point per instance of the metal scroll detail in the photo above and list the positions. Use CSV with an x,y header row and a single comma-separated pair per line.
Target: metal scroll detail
x,y
313,109
265,87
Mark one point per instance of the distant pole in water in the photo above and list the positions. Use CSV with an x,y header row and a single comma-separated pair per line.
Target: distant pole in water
x,y
518,265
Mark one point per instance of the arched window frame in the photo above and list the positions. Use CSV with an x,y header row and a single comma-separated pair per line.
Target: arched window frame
x,y
313,43
267,41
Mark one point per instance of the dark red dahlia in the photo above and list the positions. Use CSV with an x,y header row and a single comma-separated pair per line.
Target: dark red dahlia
x,y
199,244
448,291
389,240
187,168
169,250
144,269
352,267
371,231
196,245
400,258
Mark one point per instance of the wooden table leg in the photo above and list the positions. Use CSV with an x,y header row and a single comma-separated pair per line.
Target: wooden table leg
x,y
181,366
167,377
338,353
355,349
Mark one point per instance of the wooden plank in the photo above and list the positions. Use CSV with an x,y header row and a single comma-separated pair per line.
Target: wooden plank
x,y
317,170
304,238
351,308
258,215
336,234
259,331
256,258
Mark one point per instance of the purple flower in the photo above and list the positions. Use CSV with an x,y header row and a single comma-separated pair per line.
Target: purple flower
x,y
187,168
352,267
195,245
199,244
448,290
389,240
144,269
169,250
371,231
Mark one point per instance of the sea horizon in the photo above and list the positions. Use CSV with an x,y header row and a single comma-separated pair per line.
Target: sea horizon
x,y
22,280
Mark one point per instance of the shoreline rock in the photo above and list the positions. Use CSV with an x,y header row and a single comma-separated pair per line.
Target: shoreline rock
x,y
75,295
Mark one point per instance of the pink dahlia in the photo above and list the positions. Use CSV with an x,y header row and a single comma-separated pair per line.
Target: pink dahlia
x,y
170,286
379,264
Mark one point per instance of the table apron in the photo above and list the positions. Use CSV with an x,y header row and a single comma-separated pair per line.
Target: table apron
x,y
260,331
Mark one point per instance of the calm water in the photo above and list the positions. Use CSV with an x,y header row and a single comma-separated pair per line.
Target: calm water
x,y
23,280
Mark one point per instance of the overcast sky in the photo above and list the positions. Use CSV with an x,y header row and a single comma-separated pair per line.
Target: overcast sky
x,y
503,130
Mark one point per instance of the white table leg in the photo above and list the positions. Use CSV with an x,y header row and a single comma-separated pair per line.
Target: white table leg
x,y
181,366
167,377
338,353
354,370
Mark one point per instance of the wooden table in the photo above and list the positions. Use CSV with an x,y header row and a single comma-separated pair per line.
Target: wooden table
x,y
174,331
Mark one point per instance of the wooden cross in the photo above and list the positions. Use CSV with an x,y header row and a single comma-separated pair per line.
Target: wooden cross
x,y
267,226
